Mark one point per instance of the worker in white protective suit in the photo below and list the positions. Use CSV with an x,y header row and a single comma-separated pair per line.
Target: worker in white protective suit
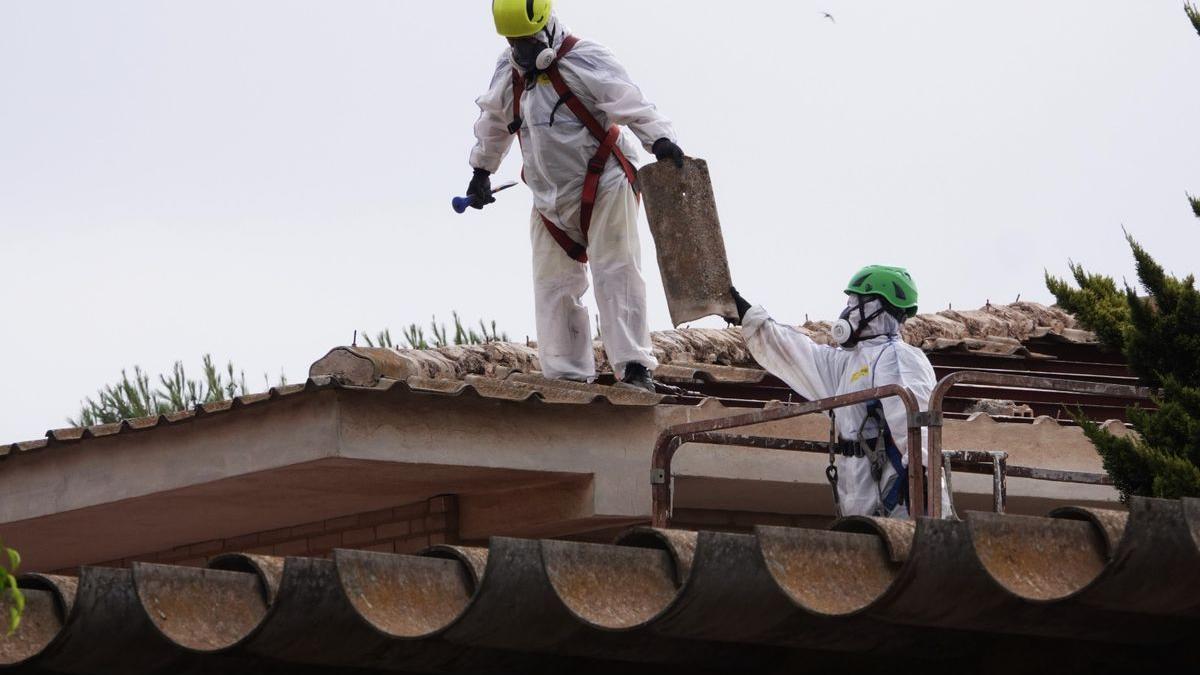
x,y
871,476
563,98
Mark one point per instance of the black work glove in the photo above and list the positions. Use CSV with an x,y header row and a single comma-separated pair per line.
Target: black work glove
x,y
743,305
480,189
665,148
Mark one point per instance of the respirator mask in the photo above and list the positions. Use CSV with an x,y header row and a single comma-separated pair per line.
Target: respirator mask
x,y
860,312
531,55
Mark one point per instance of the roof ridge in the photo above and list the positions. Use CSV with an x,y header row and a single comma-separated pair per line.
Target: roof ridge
x,y
1012,324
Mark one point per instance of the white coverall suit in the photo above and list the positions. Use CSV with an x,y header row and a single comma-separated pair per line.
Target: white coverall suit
x,y
556,159
819,371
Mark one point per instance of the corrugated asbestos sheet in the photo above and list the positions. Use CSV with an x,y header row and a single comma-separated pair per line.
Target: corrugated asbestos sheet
x,y
1081,591
1024,338
993,330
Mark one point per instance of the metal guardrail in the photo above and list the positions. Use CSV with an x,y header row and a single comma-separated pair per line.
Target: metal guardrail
x,y
980,461
937,401
922,503
670,440
995,463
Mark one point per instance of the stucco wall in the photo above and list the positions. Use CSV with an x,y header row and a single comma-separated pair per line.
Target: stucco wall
x,y
518,468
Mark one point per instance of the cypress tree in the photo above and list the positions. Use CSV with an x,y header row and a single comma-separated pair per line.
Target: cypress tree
x,y
1159,333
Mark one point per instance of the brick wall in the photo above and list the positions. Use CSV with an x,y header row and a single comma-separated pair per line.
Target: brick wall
x,y
402,529
413,527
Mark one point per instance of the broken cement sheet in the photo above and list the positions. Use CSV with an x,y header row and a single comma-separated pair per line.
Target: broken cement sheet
x,y
682,211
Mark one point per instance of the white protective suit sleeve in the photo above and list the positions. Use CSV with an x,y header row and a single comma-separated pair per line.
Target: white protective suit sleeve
x,y
807,367
615,94
493,140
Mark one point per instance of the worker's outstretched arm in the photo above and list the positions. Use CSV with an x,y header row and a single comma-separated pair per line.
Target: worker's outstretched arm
x,y
788,354
606,80
493,139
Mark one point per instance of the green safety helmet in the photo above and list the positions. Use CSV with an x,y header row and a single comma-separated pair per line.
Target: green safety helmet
x,y
893,284
521,18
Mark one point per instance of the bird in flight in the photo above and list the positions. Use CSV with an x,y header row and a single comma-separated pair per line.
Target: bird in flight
x,y
829,16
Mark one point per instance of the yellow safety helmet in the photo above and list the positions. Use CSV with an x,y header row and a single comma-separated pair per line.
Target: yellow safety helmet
x,y
521,18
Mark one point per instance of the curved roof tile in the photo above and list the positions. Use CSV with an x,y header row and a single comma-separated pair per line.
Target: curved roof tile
x,y
660,597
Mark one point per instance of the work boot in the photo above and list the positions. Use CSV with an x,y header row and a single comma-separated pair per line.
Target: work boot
x,y
636,375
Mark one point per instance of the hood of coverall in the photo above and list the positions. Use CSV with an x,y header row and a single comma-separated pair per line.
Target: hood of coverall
x,y
884,325
552,36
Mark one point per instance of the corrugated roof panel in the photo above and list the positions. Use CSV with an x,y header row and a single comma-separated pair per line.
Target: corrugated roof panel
x,y
144,423
867,589
581,392
710,372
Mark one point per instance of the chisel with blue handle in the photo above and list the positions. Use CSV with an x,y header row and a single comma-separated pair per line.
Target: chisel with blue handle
x,y
461,204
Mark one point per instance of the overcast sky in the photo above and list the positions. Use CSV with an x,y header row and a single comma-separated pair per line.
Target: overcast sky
x,y
258,179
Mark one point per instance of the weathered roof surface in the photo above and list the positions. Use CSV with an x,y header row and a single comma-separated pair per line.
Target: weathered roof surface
x,y
993,329
705,362
1101,584
1022,338
721,355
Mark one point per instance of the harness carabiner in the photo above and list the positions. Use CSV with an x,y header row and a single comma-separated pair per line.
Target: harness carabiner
x,y
831,472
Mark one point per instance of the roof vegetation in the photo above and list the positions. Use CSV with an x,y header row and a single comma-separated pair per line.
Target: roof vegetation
x,y
132,398
140,395
414,336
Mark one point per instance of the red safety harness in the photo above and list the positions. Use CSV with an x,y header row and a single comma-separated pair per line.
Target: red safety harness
x,y
595,170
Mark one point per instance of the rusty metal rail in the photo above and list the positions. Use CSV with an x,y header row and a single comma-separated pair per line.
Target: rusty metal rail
x,y
937,403
995,463
763,442
672,438
984,462
923,503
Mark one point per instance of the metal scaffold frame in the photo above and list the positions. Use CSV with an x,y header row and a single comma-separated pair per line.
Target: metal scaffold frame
x,y
921,502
